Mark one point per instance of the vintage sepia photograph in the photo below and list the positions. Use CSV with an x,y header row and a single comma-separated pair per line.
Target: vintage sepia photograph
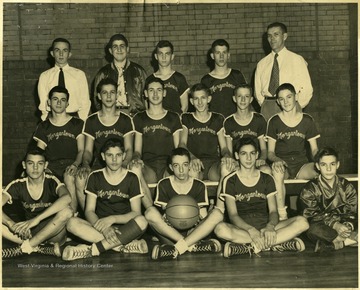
x,y
179,144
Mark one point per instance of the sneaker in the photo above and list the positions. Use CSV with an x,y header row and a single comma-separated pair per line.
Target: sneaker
x,y
164,252
349,225
296,245
71,253
51,250
119,249
211,245
136,247
11,252
232,249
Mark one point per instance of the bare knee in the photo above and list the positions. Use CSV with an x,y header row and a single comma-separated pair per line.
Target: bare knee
x,y
222,231
141,222
302,223
65,214
152,214
71,224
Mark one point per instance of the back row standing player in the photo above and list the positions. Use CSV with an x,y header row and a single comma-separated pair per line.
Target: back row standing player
x,y
175,83
128,75
222,80
73,79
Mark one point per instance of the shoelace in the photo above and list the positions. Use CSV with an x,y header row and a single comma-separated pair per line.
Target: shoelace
x,y
133,246
289,245
46,250
81,253
203,247
241,249
11,252
168,253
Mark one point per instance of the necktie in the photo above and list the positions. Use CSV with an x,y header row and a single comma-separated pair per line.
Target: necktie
x,y
274,78
61,82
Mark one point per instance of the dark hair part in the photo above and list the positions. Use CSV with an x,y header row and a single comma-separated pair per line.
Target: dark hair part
x,y
243,86
283,87
59,39
113,142
278,24
326,151
153,79
34,150
115,37
165,43
103,82
219,42
199,87
239,143
59,89
180,151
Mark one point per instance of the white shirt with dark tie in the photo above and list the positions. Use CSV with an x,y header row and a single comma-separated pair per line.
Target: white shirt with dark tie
x,y
293,70
75,82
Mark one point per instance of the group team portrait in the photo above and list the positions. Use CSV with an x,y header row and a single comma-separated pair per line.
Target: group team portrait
x,y
180,144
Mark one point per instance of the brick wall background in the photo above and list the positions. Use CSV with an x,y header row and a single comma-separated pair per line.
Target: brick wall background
x,y
324,34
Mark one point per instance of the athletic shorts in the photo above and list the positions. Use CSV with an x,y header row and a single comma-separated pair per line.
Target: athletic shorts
x,y
208,164
294,165
258,221
159,166
57,167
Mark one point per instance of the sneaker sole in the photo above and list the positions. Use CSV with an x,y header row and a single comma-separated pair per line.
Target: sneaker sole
x,y
155,252
57,250
226,250
301,243
217,244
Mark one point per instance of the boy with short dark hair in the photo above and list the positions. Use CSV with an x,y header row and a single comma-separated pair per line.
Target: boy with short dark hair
x,y
247,123
128,76
251,205
287,133
157,132
175,83
113,209
106,123
203,135
73,79
329,202
61,137
222,80
175,242
46,203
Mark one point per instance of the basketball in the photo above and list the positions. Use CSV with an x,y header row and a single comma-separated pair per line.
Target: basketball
x,y
182,212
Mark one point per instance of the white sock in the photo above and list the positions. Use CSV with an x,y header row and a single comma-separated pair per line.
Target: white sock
x,y
27,248
181,246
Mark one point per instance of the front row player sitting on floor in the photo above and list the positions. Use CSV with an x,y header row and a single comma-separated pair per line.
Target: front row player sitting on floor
x,y
329,202
174,242
46,203
113,209
251,205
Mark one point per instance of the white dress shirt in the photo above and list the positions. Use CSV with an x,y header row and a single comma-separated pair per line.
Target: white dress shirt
x,y
293,70
75,82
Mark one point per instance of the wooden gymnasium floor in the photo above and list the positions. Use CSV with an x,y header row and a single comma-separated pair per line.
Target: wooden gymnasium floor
x,y
206,270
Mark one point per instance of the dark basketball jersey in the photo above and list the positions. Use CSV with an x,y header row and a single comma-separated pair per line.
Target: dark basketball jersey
x,y
18,189
113,199
203,136
157,134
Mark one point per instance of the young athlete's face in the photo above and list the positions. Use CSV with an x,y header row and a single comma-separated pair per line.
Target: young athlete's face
x,y
119,50
164,56
200,100
155,93
243,98
328,166
287,100
113,158
180,165
58,102
220,55
61,53
276,38
34,165
107,95
247,156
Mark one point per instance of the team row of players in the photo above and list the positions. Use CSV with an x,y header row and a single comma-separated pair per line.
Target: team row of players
x,y
113,217
74,148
